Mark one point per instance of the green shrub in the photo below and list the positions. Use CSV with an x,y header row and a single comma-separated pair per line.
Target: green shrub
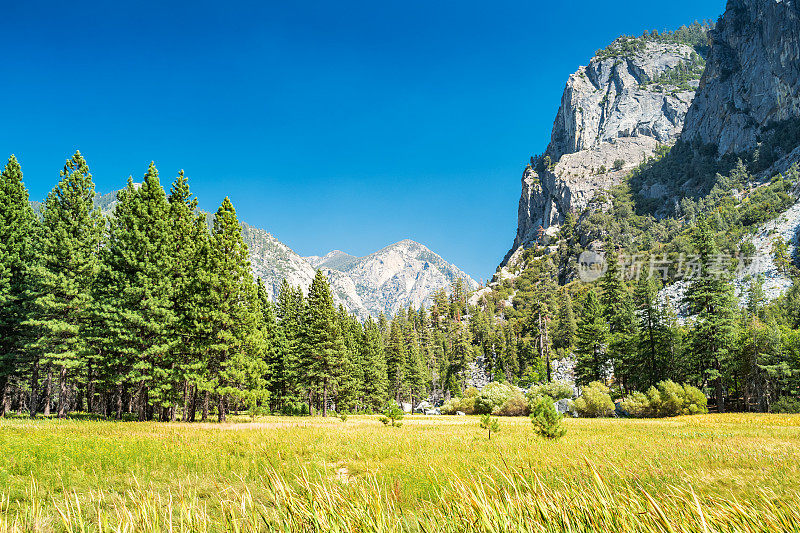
x,y
666,399
546,419
595,402
516,405
466,405
695,402
557,390
493,396
785,404
637,405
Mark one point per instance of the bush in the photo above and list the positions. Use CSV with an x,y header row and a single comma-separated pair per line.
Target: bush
x,y
618,164
595,402
516,405
466,405
493,396
547,420
638,405
666,399
785,404
557,390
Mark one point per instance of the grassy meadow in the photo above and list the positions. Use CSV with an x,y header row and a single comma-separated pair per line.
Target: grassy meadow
x,y
731,472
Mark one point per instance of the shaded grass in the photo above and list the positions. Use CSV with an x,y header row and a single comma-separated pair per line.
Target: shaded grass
x,y
53,470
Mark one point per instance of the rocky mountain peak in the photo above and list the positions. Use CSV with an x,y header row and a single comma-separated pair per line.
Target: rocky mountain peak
x,y
396,276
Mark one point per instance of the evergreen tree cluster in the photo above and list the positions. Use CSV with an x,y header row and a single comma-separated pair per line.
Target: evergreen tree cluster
x,y
153,313
621,331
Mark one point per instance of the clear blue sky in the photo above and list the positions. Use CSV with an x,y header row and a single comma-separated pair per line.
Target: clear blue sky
x,y
346,125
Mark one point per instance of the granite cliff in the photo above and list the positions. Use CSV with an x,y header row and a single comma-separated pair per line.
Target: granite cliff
x,y
630,99
752,77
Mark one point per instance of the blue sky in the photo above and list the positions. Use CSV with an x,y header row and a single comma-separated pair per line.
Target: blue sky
x,y
346,125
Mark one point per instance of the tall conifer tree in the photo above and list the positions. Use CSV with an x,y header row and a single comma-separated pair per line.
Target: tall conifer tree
x,y
62,277
17,228
138,308
591,342
324,342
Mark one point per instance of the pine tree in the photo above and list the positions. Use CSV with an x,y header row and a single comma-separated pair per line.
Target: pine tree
x,y
618,310
324,342
376,381
710,297
17,228
460,357
278,369
650,366
62,278
414,371
566,327
591,342
396,359
189,234
350,390
137,304
236,362
290,311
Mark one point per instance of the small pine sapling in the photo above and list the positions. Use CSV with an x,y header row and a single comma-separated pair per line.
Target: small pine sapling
x,y
547,420
492,425
392,416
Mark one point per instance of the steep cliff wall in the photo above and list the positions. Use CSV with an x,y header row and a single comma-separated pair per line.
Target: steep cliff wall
x,y
752,77
613,113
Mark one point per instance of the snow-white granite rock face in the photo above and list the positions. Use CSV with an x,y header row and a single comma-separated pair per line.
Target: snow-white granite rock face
x,y
609,114
605,101
402,274
752,76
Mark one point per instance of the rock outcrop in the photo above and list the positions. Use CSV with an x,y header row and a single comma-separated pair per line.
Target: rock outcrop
x,y
752,75
613,113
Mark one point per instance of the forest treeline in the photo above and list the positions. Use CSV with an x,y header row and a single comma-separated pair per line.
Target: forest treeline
x,y
150,313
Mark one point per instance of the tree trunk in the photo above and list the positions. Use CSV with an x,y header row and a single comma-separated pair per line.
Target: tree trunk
x,y
142,393
720,399
325,398
185,401
193,404
172,412
221,407
48,389
90,390
119,401
206,401
3,396
62,392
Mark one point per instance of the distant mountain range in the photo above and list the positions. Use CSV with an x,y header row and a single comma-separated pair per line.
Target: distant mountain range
x,y
401,274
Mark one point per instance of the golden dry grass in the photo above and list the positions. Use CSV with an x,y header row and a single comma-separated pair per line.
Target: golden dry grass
x,y
434,473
